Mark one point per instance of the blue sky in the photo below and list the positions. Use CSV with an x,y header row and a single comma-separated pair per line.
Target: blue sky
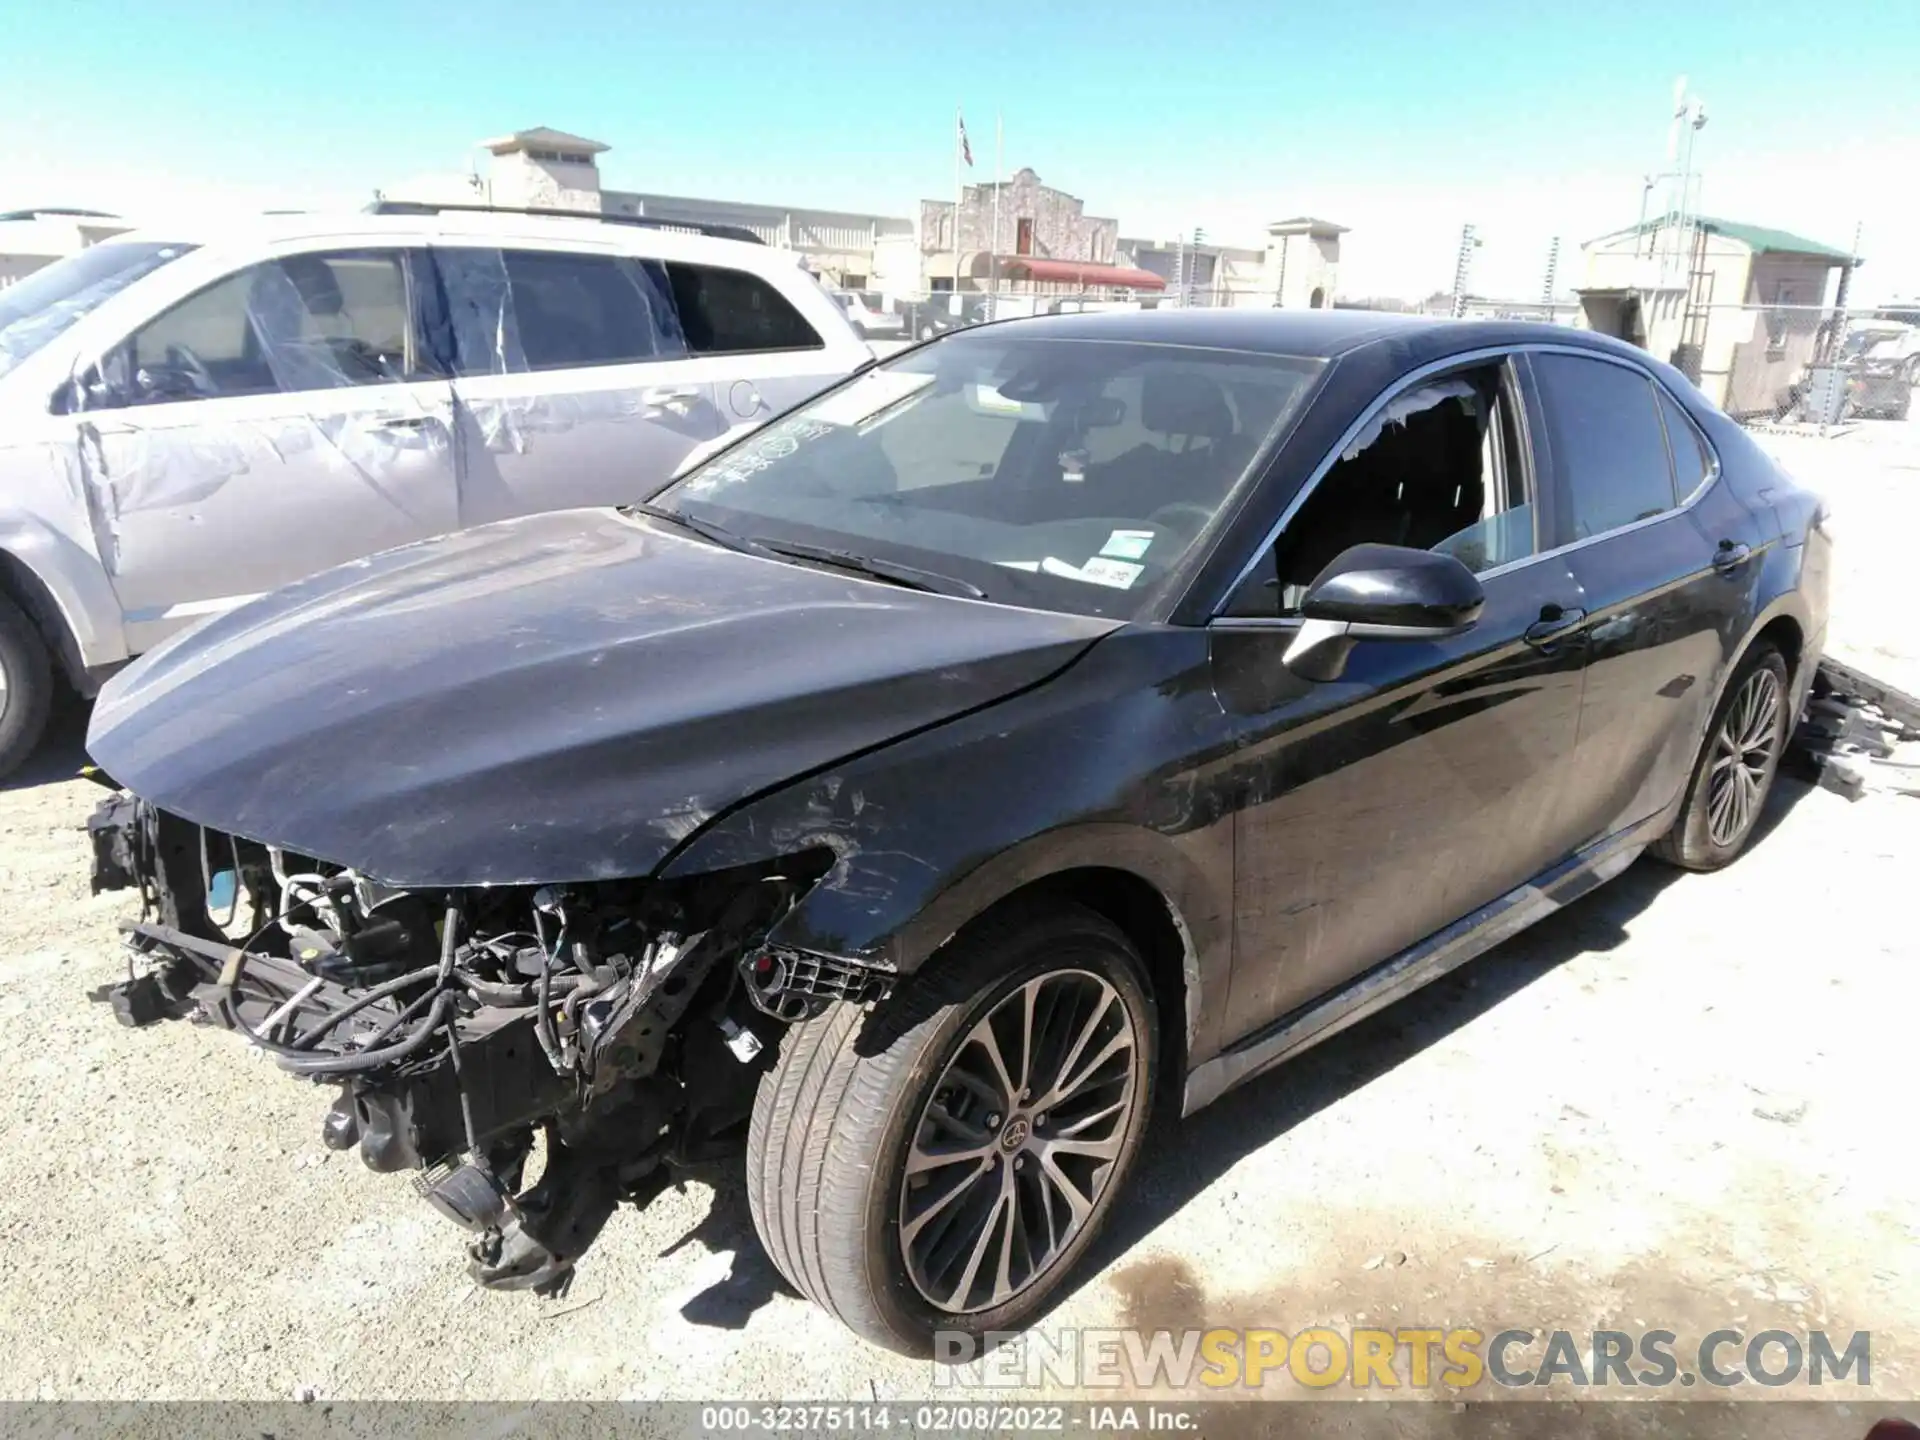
x,y
1403,120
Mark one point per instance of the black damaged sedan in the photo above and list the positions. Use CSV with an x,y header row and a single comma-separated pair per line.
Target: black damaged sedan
x,y
1061,721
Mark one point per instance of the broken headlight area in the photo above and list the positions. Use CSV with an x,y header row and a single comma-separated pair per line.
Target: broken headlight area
x,y
614,1029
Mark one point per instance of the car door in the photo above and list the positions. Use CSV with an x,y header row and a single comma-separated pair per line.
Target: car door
x,y
573,381
1664,554
1376,809
281,420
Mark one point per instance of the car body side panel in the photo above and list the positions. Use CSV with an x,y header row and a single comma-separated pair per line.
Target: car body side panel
x,y
56,561
211,502
1120,762
1661,622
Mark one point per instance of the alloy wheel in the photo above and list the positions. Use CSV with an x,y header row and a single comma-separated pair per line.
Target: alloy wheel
x,y
1743,756
1013,1151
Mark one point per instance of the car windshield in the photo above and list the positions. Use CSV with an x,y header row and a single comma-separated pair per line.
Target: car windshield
x,y
49,301
1062,474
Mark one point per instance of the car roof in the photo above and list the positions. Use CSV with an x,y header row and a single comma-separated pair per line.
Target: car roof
x,y
1310,334
271,228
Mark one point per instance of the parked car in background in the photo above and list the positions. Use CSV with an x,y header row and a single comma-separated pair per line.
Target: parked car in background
x,y
1882,360
187,420
870,314
1064,716
945,310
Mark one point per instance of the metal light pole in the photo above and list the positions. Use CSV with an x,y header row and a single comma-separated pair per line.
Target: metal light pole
x,y
1469,242
1689,118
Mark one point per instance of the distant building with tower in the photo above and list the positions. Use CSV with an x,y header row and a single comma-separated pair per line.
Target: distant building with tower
x,y
1742,309
1016,235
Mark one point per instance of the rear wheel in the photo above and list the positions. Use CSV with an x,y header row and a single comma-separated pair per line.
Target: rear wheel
x,y
26,686
940,1162
1734,773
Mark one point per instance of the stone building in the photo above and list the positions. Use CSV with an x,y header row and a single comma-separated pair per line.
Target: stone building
x,y
1045,242
1298,267
1302,265
545,169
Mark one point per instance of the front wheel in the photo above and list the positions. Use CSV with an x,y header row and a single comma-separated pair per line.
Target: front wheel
x,y
26,686
1734,772
940,1161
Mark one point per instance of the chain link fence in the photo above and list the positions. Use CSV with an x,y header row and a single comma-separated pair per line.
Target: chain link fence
x,y
1801,367
1798,368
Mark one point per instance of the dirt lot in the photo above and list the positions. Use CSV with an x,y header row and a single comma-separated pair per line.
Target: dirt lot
x,y
1683,1102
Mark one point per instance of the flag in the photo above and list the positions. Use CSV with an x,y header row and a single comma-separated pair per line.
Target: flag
x,y
966,150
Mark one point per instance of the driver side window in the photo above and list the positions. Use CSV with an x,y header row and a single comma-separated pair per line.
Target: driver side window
x,y
211,327
302,322
1438,467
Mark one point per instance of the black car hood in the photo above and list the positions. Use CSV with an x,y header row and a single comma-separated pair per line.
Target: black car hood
x,y
562,697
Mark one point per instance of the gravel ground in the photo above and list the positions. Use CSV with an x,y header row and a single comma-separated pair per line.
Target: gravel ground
x,y
1684,1101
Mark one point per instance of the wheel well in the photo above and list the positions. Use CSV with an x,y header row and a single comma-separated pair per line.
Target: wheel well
x,y
1784,632
20,585
1138,908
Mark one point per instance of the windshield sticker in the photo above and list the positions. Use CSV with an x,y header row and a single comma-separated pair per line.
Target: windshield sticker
x,y
750,458
1028,565
1128,544
1118,574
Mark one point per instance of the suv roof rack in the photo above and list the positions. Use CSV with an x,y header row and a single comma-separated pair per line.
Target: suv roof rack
x,y
645,222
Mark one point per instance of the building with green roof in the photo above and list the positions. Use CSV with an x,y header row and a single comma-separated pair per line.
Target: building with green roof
x,y
1743,309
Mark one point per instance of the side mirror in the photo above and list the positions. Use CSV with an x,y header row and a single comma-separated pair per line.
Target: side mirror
x,y
1380,592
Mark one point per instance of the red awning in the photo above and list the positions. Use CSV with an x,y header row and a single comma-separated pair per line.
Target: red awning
x,y
1080,272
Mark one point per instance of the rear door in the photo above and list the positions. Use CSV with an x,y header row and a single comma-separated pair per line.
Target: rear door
x,y
283,419
574,381
1664,554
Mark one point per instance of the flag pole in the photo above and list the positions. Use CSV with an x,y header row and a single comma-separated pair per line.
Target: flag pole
x,y
959,193
993,244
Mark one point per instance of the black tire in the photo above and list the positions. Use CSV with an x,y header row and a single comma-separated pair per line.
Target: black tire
x,y
26,686
1697,841
854,1090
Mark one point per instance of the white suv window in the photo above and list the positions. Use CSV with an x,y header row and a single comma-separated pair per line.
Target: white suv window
x,y
575,311
302,322
729,311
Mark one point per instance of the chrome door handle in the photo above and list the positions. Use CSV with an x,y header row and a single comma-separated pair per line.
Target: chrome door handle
x,y
1550,627
1731,556
670,397
408,430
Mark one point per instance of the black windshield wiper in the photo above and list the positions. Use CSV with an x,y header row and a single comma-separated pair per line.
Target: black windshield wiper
x,y
706,529
909,575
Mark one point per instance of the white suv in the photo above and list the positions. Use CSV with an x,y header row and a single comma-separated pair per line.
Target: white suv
x,y
187,421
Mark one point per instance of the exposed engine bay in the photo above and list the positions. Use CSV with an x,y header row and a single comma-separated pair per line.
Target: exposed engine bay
x,y
605,1033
